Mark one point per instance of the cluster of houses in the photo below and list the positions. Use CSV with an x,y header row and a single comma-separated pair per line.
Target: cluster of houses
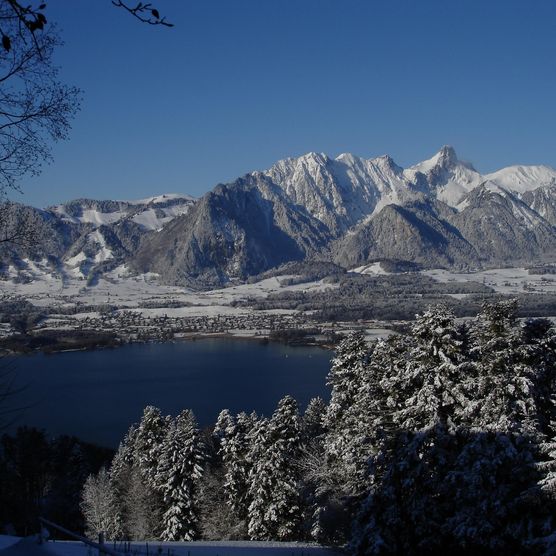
x,y
135,325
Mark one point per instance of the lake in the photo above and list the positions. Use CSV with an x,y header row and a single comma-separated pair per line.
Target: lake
x,y
97,395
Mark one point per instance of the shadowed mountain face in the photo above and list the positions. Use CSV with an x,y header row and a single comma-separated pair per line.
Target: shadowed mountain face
x,y
233,232
417,232
440,212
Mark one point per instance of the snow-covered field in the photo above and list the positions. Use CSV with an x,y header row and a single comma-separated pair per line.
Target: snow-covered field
x,y
29,547
134,292
144,296
374,269
121,289
502,280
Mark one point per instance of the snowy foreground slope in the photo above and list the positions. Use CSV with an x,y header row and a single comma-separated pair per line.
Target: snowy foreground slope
x,y
29,547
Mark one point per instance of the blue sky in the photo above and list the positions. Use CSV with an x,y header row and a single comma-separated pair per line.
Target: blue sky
x,y
239,84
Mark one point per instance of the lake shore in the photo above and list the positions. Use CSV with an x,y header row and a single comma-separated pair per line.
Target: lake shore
x,y
66,342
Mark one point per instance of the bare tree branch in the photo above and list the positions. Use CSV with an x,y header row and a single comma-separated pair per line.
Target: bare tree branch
x,y
145,13
17,230
35,107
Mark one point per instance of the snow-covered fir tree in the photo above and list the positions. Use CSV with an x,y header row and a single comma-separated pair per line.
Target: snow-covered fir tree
x,y
324,516
140,505
148,442
275,508
345,379
312,424
178,472
234,450
224,425
463,462
347,367
429,386
100,507
448,492
504,379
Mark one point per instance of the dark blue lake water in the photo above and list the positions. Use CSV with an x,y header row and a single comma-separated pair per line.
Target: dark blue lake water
x,y
97,395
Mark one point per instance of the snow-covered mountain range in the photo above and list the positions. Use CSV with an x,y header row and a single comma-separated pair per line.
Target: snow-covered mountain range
x,y
438,213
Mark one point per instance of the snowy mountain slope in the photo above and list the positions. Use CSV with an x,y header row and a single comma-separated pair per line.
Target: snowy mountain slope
x,y
503,227
521,179
543,201
84,237
340,192
151,213
41,239
231,233
343,191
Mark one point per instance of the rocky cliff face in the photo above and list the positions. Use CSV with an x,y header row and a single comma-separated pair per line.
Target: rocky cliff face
x,y
503,228
233,232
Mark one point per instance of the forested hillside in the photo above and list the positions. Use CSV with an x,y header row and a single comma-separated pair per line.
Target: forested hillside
x,y
440,441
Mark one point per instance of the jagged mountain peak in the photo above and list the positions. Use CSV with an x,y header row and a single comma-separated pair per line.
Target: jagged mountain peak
x,y
444,176
319,158
446,156
308,159
445,160
383,163
386,162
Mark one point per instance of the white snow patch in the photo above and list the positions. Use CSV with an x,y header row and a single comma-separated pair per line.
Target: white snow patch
x,y
91,216
150,219
161,199
373,269
76,259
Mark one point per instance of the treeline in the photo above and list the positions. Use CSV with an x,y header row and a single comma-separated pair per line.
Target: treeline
x,y
438,441
301,272
24,316
20,314
542,269
42,476
396,297
51,341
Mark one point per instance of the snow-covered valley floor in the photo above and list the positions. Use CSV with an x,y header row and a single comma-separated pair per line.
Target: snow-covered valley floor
x,y
142,305
135,308
501,280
